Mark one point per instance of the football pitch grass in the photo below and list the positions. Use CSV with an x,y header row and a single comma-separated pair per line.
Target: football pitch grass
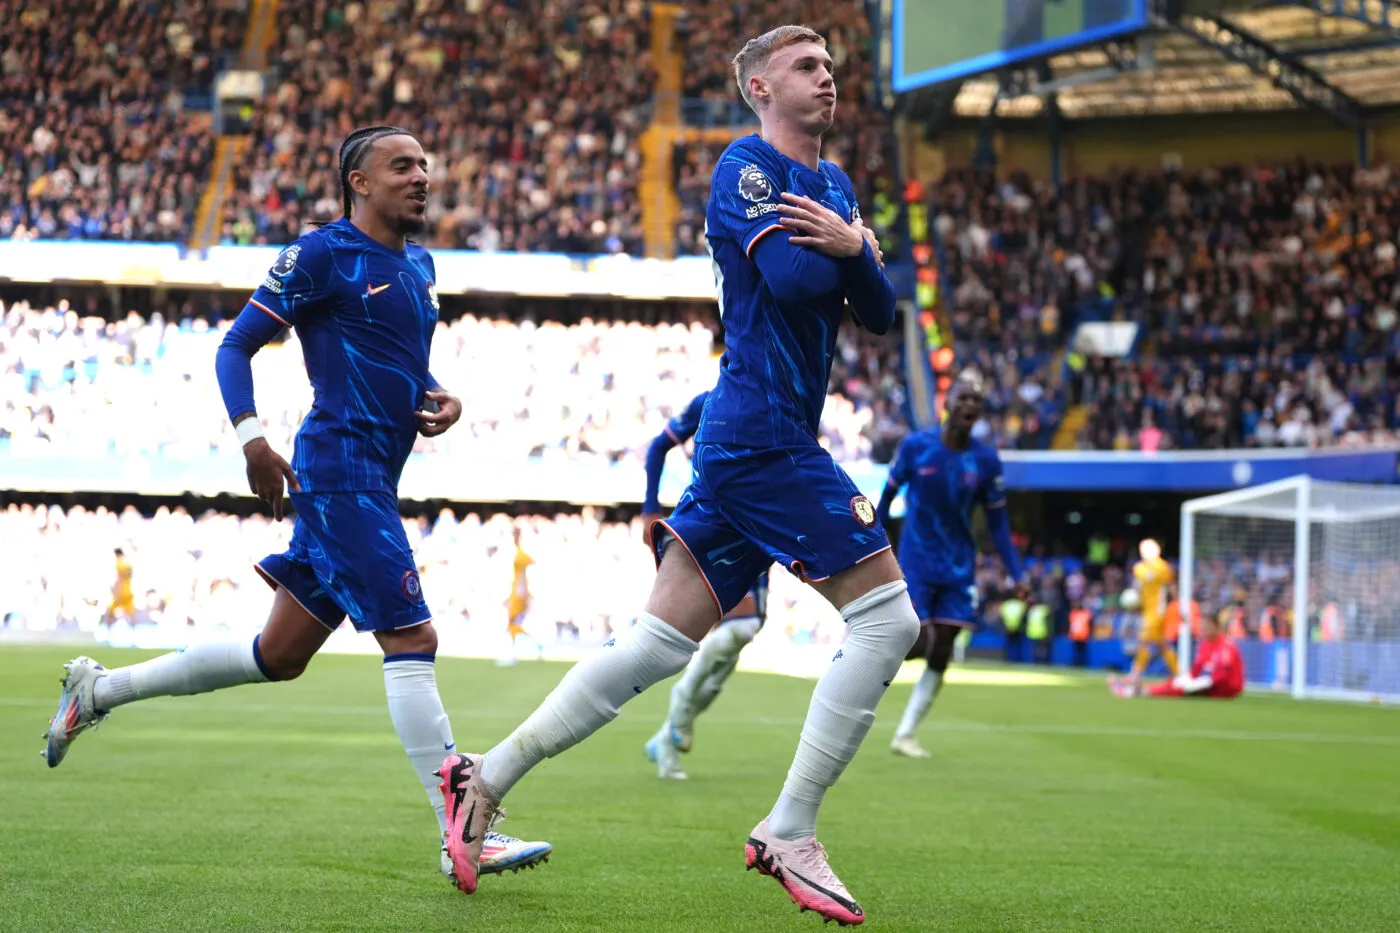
x,y
291,807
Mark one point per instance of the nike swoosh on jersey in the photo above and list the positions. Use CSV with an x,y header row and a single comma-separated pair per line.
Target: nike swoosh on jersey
x,y
376,289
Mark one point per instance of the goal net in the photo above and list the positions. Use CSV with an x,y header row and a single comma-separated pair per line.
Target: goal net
x,y
1304,575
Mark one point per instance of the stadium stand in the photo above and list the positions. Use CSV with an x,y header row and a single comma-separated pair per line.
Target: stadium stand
x,y
81,386
1266,296
861,142
99,135
529,111
1269,311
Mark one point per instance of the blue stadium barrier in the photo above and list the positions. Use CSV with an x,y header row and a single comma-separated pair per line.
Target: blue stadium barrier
x,y
597,482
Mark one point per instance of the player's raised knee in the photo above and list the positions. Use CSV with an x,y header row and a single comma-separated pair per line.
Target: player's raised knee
x,y
281,667
419,639
886,613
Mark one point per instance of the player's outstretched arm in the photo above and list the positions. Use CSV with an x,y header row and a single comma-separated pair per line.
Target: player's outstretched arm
x,y
233,367
999,524
656,464
896,479
882,511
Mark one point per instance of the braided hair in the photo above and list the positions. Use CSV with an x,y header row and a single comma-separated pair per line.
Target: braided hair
x,y
352,155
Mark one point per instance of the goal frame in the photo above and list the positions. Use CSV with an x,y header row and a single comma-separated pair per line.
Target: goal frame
x,y
1301,486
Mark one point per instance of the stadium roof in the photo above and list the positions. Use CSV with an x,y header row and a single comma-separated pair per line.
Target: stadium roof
x,y
1190,69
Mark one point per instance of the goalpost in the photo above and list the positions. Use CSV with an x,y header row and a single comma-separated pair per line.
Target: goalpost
x,y
1307,574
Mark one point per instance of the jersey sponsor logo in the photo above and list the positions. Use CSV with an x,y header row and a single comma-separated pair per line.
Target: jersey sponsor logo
x,y
758,210
999,484
272,284
928,471
286,261
376,289
970,479
412,588
754,185
432,296
863,511
855,212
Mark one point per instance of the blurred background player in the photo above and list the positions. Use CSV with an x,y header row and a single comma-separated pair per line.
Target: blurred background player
x,y
362,300
946,474
1218,672
789,253
519,604
123,604
719,651
1153,575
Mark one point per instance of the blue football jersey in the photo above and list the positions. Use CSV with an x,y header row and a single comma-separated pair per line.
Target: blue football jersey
x,y
683,427
777,355
365,316
936,544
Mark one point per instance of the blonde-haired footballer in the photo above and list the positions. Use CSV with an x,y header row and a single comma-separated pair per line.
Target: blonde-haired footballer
x,y
1153,576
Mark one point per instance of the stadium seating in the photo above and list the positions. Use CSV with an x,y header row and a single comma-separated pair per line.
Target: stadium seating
x,y
98,140
861,142
529,111
1268,312
83,387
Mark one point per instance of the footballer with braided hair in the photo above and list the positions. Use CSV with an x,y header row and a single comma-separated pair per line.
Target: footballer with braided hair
x,y
363,302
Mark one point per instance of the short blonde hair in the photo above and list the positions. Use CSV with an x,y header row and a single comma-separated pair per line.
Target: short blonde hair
x,y
754,56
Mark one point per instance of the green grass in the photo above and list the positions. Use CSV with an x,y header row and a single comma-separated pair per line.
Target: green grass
x,y
291,807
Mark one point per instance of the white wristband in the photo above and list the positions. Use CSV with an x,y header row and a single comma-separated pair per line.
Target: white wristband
x,y
248,430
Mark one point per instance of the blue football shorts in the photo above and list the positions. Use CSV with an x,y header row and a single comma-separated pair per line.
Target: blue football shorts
x,y
748,507
349,556
948,603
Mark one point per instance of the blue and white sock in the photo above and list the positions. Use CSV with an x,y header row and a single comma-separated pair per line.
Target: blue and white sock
x,y
410,682
198,668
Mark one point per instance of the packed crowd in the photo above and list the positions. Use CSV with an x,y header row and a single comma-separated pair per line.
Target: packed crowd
x,y
1260,400
860,142
1266,301
95,138
85,387
193,575
529,111
1246,586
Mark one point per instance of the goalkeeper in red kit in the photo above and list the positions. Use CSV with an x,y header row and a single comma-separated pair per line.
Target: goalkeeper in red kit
x,y
1218,672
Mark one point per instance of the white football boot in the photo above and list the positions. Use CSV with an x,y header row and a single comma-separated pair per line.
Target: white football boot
x,y
661,751
76,711
908,746
501,853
